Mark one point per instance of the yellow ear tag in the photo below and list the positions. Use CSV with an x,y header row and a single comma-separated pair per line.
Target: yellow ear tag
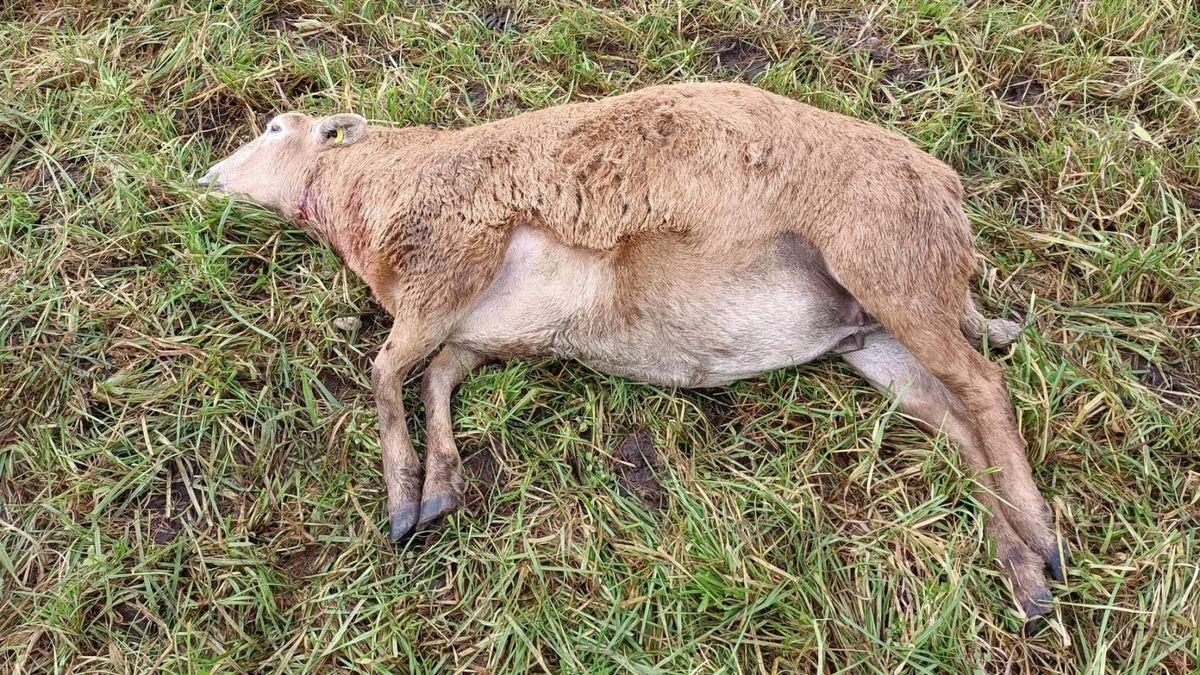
x,y
341,136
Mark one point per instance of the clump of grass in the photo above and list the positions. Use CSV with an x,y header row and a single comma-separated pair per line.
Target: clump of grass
x,y
189,470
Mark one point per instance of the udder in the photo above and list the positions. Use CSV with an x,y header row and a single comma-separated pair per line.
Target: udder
x,y
662,314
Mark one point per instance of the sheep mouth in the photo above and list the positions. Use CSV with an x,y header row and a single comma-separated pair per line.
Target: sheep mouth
x,y
212,181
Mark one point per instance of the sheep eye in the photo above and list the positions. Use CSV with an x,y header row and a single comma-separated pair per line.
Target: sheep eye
x,y
275,128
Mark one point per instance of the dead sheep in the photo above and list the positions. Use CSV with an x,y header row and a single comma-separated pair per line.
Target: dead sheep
x,y
686,235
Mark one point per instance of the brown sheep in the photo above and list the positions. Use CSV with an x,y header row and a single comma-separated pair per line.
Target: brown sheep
x,y
686,235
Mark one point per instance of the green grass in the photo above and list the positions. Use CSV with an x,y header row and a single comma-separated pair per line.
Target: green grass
x,y
189,466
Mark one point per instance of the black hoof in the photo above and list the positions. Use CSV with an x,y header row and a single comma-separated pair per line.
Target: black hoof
x,y
1058,561
1031,626
435,507
1036,606
402,521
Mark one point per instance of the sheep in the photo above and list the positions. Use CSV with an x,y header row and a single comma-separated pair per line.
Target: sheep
x,y
684,235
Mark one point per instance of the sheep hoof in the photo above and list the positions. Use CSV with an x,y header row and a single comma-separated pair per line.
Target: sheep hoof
x,y
402,521
1035,607
434,508
1058,561
1002,333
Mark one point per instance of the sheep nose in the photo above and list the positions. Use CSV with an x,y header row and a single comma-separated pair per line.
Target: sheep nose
x,y
208,178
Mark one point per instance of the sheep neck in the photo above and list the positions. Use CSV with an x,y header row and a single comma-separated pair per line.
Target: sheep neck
x,y
346,239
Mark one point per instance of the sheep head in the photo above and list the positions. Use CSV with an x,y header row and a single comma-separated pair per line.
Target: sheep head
x,y
273,169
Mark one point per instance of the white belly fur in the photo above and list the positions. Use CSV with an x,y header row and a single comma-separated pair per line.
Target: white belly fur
x,y
703,328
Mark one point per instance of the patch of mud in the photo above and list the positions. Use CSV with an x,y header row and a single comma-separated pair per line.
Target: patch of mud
x,y
736,55
619,66
284,20
1171,383
715,405
1022,89
45,175
289,22
636,464
905,74
479,100
131,619
338,385
486,476
167,513
123,617
499,20
550,658
856,35
299,86
216,117
301,563
8,140
1191,195
1187,187
475,95
615,57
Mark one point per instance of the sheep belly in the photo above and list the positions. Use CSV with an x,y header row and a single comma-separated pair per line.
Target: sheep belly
x,y
691,330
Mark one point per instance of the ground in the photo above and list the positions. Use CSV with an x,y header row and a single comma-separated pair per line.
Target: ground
x,y
189,465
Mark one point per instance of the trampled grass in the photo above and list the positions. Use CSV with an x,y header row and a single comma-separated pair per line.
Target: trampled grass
x,y
189,468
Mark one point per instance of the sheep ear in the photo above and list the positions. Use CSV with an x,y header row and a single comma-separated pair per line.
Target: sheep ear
x,y
344,129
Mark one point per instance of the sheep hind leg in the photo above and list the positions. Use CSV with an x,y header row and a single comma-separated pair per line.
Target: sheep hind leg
x,y
934,337
916,287
890,368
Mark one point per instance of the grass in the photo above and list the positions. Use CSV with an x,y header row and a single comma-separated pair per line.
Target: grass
x,y
189,467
